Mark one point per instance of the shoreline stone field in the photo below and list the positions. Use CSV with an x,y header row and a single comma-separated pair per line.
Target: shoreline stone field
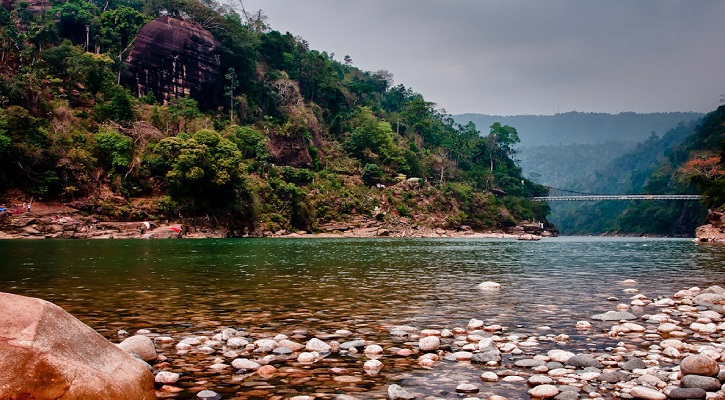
x,y
644,348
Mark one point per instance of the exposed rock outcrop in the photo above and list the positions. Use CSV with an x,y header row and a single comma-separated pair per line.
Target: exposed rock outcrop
x,y
49,354
172,58
714,230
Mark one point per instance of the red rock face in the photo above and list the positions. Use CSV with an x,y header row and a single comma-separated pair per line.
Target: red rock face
x,y
46,353
172,58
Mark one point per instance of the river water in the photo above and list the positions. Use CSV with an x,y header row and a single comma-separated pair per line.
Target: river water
x,y
313,287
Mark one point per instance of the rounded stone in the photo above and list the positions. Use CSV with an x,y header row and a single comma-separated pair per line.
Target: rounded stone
x,y
489,286
245,364
544,391
140,345
208,395
266,370
489,376
316,344
373,349
166,377
372,367
645,393
429,343
467,388
699,365
560,355
707,383
396,392
306,357
687,394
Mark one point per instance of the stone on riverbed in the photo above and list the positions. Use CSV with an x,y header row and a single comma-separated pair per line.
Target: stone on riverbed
x,y
47,353
429,343
489,286
140,345
318,345
583,360
687,394
358,344
707,383
245,364
166,377
614,316
396,392
699,365
645,393
372,367
544,391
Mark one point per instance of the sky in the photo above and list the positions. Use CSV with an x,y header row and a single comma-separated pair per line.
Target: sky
x,y
511,57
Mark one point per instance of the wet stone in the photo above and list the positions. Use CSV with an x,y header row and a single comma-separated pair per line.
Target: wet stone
x,y
358,344
634,363
208,395
614,316
707,383
396,392
529,363
583,360
687,394
467,388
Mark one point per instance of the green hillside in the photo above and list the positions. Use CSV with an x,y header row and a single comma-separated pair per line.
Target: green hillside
x,y
268,135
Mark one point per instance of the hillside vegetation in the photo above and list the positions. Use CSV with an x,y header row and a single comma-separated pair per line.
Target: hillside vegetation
x,y
687,159
289,138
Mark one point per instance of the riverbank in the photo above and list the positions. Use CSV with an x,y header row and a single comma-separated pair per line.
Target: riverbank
x,y
714,230
67,221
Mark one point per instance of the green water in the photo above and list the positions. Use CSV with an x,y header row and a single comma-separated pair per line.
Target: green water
x,y
316,286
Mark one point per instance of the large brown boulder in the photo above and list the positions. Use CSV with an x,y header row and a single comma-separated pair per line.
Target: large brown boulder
x,y
46,353
173,58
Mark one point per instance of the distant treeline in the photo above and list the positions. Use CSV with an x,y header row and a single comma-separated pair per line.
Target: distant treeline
x,y
583,127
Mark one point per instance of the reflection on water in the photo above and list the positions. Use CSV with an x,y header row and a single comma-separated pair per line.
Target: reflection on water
x,y
364,285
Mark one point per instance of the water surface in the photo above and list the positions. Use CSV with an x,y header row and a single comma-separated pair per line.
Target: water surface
x,y
316,286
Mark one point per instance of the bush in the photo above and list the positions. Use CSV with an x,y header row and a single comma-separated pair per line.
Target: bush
x,y
372,174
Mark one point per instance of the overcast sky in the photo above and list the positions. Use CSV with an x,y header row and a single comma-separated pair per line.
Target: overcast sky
x,y
509,57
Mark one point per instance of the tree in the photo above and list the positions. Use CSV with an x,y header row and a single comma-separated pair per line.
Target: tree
x,y
117,29
232,84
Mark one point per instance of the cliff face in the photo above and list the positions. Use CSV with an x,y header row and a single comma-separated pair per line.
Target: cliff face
x,y
172,58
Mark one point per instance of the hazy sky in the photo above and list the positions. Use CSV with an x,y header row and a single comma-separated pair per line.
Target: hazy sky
x,y
526,56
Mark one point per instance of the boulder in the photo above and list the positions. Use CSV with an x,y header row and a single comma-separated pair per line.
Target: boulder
x,y
171,58
49,354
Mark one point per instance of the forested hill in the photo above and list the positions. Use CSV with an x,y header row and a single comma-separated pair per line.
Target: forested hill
x,y
139,109
584,127
687,159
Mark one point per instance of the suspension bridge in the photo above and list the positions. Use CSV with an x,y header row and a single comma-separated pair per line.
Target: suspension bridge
x,y
556,194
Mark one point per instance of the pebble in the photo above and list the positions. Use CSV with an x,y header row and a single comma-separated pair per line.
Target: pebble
x,y
372,367
467,388
489,286
208,395
697,364
396,392
544,391
166,377
429,343
645,393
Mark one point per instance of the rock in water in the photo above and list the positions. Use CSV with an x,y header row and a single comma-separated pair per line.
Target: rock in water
x,y
699,365
172,58
486,286
47,353
614,316
645,393
396,392
140,345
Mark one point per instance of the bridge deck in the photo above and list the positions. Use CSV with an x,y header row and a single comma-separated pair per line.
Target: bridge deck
x,y
598,197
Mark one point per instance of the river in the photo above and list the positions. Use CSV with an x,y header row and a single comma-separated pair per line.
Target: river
x,y
313,287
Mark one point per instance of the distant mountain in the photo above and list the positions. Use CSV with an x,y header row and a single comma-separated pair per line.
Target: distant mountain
x,y
582,127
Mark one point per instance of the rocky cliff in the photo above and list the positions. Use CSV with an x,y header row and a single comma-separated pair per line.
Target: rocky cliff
x,y
172,58
714,230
